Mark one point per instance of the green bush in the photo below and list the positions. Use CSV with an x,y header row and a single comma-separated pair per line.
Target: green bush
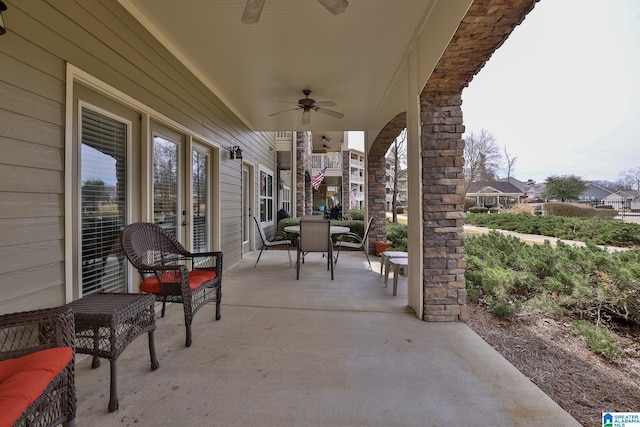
x,y
397,233
399,209
503,308
597,337
569,209
606,214
581,280
596,231
478,210
357,214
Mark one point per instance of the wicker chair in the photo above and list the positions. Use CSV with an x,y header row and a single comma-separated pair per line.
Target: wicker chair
x,y
38,337
172,273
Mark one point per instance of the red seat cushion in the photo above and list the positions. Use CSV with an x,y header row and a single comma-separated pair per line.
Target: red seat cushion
x,y
196,279
23,379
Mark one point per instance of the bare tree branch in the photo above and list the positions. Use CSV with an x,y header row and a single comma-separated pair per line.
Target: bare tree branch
x,y
482,158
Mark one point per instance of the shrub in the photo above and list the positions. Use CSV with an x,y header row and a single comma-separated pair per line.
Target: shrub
x,y
521,208
606,214
399,209
596,231
478,209
357,214
597,337
504,308
469,202
569,209
397,233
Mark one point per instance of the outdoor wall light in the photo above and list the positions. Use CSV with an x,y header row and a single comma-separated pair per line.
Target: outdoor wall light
x,y
235,152
3,7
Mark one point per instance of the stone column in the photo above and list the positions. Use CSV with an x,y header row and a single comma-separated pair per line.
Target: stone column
x,y
346,181
376,187
304,194
445,294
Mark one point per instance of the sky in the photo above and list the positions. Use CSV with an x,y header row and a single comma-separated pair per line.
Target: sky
x,y
562,94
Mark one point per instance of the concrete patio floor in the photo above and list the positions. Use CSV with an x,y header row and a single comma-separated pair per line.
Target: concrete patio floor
x,y
312,352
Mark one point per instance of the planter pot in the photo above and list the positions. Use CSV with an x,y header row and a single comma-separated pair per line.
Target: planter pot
x,y
382,246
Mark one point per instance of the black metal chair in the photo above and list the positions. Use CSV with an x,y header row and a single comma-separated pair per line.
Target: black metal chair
x,y
172,273
315,236
271,241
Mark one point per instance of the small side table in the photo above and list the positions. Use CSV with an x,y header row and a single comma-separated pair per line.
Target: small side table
x,y
106,323
387,255
395,264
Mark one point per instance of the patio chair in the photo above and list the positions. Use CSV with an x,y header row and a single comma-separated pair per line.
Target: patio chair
x,y
37,368
172,273
315,236
353,241
312,218
271,241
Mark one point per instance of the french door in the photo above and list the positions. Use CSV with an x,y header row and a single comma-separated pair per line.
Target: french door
x,y
181,195
247,197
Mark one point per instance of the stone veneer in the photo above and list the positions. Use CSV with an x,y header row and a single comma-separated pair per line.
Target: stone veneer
x,y
304,191
484,28
445,293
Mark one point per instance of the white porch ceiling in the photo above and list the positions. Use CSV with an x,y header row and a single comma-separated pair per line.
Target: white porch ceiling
x,y
356,59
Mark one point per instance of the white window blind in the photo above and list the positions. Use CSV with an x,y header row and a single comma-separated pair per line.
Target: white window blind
x,y
102,201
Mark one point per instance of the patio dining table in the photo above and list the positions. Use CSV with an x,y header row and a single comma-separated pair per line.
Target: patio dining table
x,y
334,229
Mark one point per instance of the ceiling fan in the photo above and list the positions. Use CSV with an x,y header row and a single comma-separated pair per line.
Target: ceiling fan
x,y
307,104
253,9
325,140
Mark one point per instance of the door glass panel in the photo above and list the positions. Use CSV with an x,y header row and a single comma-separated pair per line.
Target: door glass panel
x,y
200,201
102,202
165,184
245,204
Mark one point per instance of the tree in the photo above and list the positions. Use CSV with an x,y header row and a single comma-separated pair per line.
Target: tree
x,y
631,178
481,158
398,151
510,160
565,187
94,193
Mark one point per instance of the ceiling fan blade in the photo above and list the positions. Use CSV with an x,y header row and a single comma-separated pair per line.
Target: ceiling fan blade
x,y
326,104
283,111
330,112
335,6
306,117
252,11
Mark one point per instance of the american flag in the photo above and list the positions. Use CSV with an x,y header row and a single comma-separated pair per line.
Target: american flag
x,y
318,179
352,197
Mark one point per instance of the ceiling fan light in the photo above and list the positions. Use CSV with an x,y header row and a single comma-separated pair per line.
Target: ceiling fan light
x,y
335,6
252,11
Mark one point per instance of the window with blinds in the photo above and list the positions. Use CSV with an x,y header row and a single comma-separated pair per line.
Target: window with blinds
x,y
266,197
200,196
102,202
